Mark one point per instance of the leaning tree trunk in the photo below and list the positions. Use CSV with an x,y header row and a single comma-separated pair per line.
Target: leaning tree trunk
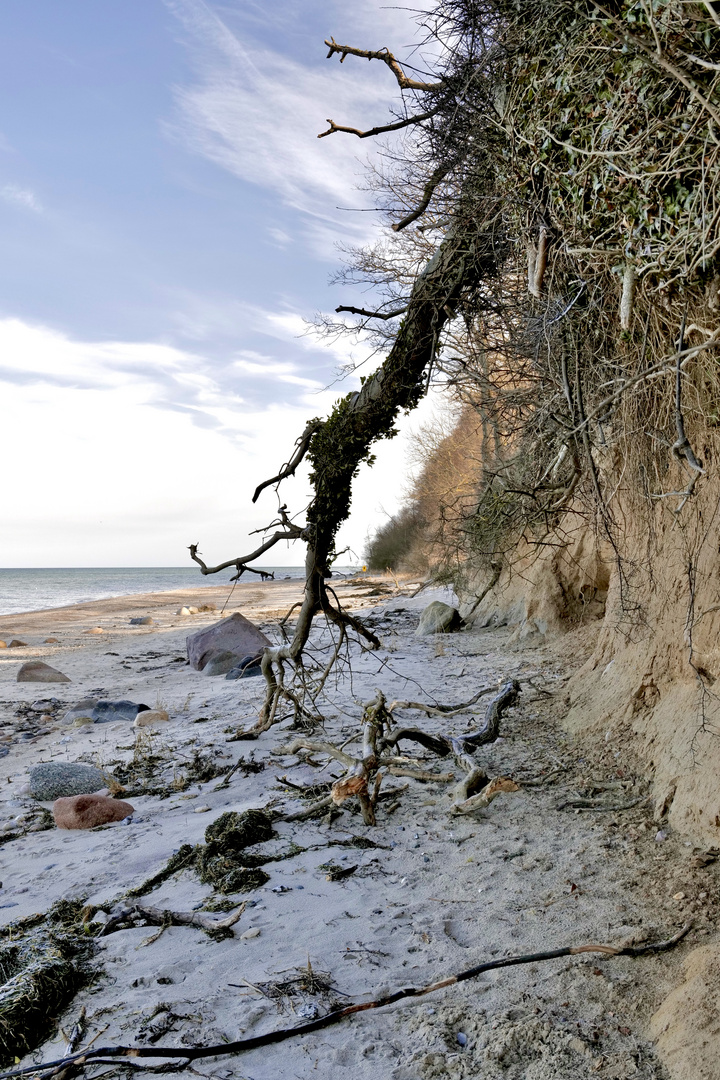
x,y
337,446
344,440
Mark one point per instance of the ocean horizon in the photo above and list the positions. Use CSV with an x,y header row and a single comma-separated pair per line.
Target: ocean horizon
x,y
36,589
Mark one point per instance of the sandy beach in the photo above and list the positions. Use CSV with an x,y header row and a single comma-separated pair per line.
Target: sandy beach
x,y
424,893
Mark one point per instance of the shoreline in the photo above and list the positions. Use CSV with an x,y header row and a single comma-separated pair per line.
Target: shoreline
x,y
263,599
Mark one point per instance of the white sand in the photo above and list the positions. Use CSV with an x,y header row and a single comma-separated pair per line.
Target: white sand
x,y
440,895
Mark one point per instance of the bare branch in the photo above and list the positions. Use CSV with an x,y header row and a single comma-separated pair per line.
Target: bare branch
x,y
301,445
373,314
294,532
404,82
428,192
381,129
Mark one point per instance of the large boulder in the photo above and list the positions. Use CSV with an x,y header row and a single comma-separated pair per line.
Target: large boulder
x,y
54,779
89,811
37,671
438,618
235,635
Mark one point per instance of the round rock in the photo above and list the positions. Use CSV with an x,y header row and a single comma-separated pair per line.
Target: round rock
x,y
56,779
38,671
148,717
89,811
438,618
220,662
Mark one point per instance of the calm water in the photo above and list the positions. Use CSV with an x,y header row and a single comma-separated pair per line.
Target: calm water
x,y
35,590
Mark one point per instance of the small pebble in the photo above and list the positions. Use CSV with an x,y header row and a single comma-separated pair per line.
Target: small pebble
x,y
200,809
253,932
679,896
462,1038
660,836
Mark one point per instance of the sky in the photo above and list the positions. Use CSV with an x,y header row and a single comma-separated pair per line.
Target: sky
x,y
169,223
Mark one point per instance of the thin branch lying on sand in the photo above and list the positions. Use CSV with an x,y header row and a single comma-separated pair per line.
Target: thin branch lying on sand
x,y
440,710
104,1054
592,804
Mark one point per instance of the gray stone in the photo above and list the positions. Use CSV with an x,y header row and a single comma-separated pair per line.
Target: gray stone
x,y
38,671
103,712
220,662
248,668
438,618
142,620
235,635
58,779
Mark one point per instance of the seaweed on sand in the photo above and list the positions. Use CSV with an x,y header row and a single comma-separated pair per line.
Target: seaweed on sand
x,y
43,963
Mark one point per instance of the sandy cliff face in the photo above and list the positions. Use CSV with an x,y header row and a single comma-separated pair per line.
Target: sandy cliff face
x,y
648,691
650,683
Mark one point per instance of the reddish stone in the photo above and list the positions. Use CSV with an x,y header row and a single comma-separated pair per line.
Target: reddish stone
x,y
88,811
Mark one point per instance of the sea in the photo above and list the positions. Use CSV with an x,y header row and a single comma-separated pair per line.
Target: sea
x,y
39,589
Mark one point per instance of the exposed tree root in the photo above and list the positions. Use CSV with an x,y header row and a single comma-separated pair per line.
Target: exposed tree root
x,y
379,740
105,1054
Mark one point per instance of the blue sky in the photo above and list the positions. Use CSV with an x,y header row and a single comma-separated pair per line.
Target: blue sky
x,y
169,218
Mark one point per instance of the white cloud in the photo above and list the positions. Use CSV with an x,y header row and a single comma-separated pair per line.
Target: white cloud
x,y
123,453
281,238
18,196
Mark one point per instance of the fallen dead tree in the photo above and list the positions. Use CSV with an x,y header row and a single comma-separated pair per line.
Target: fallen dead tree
x,y
380,739
107,1054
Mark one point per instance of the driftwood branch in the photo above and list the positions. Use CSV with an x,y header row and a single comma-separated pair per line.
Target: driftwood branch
x,y
483,798
440,710
112,1053
474,792
403,80
163,917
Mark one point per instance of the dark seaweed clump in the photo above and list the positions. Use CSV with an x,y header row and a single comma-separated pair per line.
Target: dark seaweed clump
x,y
43,964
